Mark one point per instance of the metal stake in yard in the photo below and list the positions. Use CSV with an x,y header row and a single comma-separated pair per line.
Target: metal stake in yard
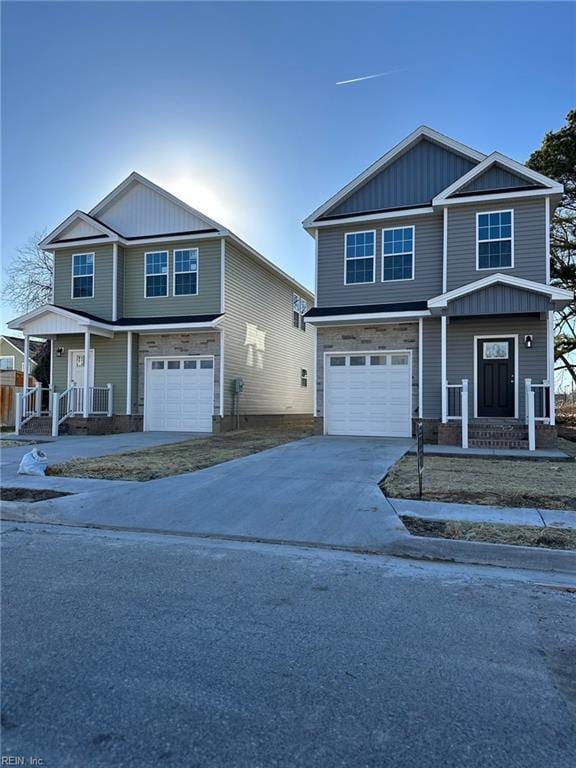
x,y
420,454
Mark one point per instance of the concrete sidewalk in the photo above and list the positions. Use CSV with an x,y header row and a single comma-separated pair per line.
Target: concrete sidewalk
x,y
438,510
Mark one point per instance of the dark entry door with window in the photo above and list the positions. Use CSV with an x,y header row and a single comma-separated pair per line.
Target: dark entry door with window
x,y
496,377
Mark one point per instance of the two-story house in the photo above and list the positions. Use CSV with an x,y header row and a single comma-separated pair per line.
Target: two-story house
x,y
433,297
163,319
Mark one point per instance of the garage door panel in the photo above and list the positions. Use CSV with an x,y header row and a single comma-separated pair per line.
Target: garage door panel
x,y
179,395
374,399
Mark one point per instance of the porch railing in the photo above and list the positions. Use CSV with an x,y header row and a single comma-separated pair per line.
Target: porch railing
x,y
457,406
100,399
537,399
64,405
31,402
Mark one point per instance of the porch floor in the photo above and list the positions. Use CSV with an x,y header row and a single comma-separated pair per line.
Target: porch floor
x,y
542,454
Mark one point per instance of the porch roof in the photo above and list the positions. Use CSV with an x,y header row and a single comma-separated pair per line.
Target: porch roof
x,y
52,320
556,298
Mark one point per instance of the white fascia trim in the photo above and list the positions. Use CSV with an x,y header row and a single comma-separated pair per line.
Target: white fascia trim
x,y
551,185
271,266
141,241
7,340
136,177
46,242
19,322
422,132
373,217
505,197
328,319
516,282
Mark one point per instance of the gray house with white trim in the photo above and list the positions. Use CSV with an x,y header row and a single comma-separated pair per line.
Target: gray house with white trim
x,y
433,298
164,319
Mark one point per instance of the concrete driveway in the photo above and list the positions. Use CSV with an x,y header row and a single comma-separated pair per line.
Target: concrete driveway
x,y
321,490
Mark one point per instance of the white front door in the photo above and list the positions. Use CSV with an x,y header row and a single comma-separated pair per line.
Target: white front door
x,y
76,374
369,394
179,394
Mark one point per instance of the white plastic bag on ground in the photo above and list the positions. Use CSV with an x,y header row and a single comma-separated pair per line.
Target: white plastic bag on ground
x,y
33,463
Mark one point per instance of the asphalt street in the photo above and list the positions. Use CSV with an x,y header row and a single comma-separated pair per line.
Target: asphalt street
x,y
149,650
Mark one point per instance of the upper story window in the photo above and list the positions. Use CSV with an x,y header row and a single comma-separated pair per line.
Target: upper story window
x,y
299,309
156,274
7,363
360,249
82,275
186,272
495,248
398,254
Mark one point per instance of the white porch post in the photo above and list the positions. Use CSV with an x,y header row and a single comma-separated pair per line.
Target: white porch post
x,y
86,409
551,366
464,411
26,361
129,375
443,369
420,368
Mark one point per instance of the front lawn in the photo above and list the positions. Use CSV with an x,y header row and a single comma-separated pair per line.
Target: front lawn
x,y
177,458
496,482
518,535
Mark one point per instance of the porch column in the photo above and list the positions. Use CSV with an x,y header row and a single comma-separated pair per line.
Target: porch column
x,y
551,366
26,361
420,368
443,369
129,375
86,409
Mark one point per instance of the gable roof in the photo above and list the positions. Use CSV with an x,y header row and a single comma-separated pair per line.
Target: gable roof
x,y
537,182
17,342
423,132
79,226
555,293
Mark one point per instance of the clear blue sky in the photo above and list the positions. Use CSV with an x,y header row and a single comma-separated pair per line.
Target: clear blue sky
x,y
235,106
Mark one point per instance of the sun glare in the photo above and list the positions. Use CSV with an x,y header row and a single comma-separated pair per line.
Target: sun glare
x,y
199,196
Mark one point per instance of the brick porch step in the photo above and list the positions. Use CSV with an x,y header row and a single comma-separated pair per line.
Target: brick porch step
x,y
493,434
38,425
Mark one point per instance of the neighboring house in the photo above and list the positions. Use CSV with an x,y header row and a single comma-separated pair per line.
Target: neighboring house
x,y
190,326
433,279
12,354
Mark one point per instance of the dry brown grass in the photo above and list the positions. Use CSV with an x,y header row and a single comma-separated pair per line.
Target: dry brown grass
x,y
177,458
518,535
497,482
15,443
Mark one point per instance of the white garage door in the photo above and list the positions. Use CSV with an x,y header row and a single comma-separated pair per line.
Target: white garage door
x,y
369,394
179,394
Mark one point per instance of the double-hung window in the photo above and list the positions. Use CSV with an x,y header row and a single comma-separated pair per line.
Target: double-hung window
x,y
299,309
186,272
82,275
360,248
494,240
156,274
398,254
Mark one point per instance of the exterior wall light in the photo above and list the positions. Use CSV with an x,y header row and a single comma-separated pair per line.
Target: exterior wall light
x,y
59,351
528,339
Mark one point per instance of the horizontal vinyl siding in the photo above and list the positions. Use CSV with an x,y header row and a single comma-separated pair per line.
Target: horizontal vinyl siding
x,y
110,362
101,303
413,179
120,282
207,301
427,264
261,344
7,350
532,363
529,241
499,300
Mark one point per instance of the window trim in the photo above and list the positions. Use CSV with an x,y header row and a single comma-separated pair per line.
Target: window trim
x,y
360,232
401,279
188,272
83,253
155,274
497,240
8,357
301,322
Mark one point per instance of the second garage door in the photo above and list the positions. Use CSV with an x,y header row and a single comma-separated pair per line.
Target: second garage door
x,y
179,394
369,394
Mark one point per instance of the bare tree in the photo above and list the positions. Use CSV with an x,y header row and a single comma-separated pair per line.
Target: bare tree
x,y
29,276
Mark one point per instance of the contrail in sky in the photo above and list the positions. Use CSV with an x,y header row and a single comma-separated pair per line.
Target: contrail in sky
x,y
368,77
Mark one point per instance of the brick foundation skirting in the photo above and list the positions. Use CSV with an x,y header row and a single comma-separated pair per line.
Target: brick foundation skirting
x,y
102,425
